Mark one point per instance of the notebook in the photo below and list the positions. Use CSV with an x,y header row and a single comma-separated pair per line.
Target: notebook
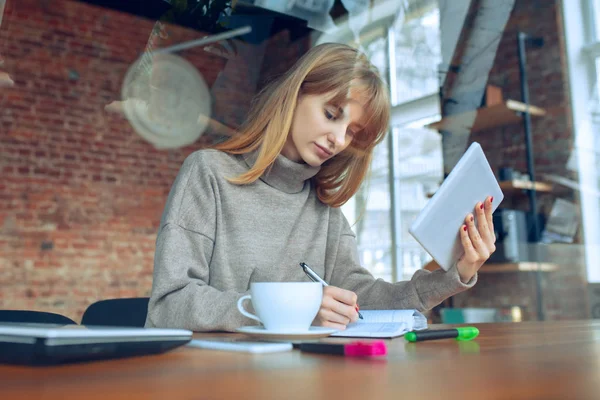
x,y
384,324
437,225
35,344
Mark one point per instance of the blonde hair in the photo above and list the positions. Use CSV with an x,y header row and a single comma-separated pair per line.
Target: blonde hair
x,y
327,68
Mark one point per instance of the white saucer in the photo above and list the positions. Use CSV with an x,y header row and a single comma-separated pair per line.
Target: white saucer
x,y
313,332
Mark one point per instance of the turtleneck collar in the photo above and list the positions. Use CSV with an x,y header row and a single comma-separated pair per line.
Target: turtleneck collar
x,y
285,174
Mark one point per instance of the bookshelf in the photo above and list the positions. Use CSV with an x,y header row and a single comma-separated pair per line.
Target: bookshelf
x,y
498,112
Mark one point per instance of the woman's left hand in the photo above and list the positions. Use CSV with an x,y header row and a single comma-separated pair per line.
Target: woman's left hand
x,y
478,241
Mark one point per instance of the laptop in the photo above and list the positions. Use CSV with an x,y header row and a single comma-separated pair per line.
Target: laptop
x,y
437,226
47,344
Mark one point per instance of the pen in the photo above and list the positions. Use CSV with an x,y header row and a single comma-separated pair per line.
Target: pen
x,y
316,278
352,349
461,334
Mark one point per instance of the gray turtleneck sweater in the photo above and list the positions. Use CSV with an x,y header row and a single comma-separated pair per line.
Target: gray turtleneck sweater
x,y
216,237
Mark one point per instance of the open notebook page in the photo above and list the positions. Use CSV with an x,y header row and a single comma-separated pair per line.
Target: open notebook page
x,y
374,330
385,323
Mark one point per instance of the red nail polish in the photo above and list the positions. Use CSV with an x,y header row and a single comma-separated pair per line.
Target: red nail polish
x,y
464,227
471,218
481,206
491,199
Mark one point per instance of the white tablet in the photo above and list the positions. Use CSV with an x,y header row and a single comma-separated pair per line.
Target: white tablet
x,y
437,226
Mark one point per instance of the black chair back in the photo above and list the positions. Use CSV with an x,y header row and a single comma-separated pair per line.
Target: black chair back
x,y
129,312
34,317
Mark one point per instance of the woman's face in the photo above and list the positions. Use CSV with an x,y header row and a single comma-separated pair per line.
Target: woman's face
x,y
320,130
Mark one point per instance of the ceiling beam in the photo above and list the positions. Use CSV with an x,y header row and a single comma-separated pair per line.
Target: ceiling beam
x,y
469,67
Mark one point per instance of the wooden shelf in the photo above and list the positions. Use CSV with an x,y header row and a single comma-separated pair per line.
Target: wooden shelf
x,y
506,113
493,268
523,185
509,186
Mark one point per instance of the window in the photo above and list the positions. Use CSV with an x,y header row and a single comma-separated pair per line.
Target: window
x,y
582,37
370,211
594,32
418,51
419,151
385,246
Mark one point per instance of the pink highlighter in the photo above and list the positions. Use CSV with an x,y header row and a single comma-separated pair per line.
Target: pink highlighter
x,y
352,349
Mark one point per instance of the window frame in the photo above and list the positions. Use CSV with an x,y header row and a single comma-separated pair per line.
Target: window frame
x,y
582,46
381,26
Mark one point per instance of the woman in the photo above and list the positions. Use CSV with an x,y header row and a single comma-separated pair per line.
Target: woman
x,y
256,205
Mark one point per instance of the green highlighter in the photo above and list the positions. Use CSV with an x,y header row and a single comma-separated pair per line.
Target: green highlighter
x,y
462,334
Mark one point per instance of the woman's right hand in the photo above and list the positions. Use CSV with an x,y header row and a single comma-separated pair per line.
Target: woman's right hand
x,y
338,308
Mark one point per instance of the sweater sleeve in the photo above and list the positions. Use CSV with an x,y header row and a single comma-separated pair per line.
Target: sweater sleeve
x,y
422,292
181,295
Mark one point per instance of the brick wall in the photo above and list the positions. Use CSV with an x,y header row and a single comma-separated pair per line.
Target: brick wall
x,y
81,194
564,295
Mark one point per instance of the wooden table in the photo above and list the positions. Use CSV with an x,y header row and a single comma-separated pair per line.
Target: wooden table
x,y
529,360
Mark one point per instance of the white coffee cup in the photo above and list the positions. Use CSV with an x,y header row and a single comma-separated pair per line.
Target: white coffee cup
x,y
284,306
